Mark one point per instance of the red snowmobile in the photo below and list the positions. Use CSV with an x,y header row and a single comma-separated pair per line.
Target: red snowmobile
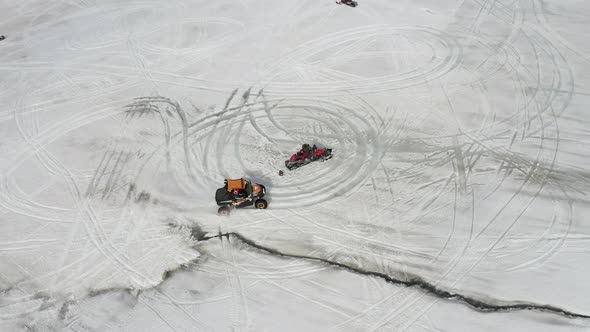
x,y
306,155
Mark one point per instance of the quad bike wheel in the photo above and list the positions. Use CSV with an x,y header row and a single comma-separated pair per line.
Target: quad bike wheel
x,y
223,211
260,204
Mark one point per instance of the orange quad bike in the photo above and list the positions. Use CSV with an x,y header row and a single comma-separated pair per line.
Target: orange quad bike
x,y
239,193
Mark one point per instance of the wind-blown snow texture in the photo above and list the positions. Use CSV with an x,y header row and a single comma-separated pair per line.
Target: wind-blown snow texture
x,y
459,130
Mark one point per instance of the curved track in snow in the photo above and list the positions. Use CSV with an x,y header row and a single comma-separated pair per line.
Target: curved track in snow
x,y
456,139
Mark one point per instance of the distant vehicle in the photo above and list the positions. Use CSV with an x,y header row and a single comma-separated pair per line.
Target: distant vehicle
x,y
350,3
240,193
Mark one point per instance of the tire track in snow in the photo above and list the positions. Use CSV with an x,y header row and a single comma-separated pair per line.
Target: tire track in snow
x,y
531,99
542,173
431,70
548,106
61,170
35,137
437,66
358,136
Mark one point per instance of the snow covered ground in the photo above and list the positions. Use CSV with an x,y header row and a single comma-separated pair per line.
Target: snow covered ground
x,y
460,137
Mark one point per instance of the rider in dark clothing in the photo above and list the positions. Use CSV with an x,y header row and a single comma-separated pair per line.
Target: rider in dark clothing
x,y
306,149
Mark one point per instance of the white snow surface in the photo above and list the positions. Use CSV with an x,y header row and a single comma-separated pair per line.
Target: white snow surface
x,y
460,138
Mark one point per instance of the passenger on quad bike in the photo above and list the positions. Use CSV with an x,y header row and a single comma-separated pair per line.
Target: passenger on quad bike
x,y
306,155
238,193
